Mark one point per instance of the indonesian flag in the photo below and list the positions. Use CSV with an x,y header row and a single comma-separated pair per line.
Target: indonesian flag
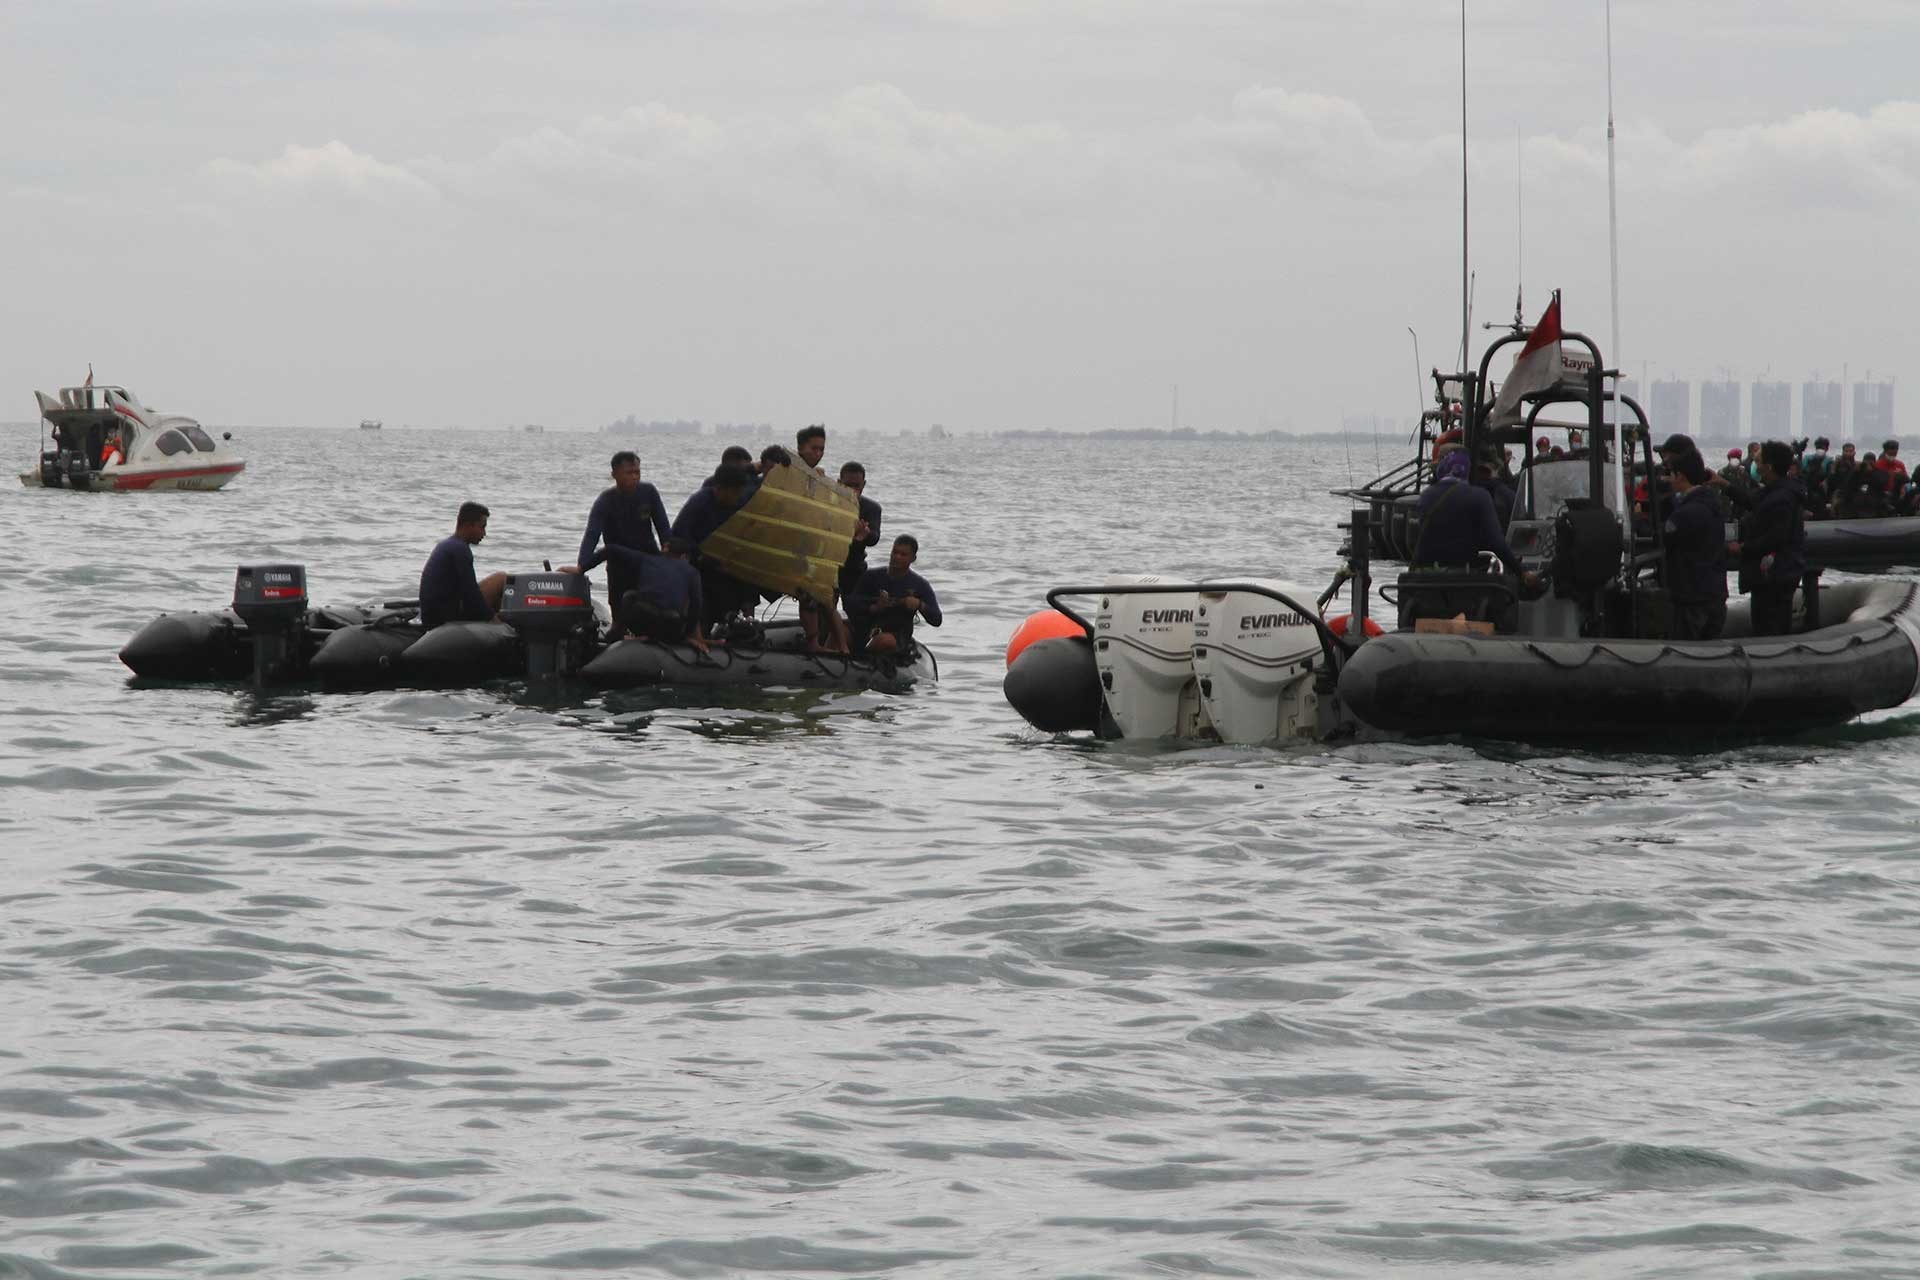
x,y
89,381
1536,369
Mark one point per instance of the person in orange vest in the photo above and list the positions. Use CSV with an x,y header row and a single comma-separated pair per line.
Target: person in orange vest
x,y
112,452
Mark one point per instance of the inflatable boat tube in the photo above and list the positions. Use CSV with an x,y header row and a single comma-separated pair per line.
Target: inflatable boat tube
x,y
462,653
1559,690
1863,544
630,664
365,656
219,646
1055,685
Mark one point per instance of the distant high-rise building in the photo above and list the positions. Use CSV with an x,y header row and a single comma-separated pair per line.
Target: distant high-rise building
x,y
1772,414
1873,411
1671,407
1719,410
1820,407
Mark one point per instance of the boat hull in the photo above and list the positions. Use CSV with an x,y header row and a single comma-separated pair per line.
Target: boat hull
x,y
632,664
131,480
1515,688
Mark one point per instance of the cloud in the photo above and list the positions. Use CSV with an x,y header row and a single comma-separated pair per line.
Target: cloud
x,y
333,168
1311,139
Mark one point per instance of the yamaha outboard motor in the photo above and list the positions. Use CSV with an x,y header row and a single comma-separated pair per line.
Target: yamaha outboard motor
x,y
272,600
553,615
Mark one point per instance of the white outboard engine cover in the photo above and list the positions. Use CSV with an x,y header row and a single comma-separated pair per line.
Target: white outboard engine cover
x,y
1255,660
1143,650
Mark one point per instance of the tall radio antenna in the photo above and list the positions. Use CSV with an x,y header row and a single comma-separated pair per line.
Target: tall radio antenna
x,y
1613,253
1466,305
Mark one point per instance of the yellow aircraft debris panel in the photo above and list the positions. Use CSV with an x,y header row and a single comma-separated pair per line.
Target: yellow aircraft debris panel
x,y
792,535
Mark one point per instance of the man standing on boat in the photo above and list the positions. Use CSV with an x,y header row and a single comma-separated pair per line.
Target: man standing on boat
x,y
631,520
1773,543
1696,550
448,590
708,509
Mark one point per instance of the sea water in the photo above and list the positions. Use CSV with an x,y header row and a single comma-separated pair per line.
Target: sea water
x,y
516,982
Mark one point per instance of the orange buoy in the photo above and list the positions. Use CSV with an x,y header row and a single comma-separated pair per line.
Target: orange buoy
x,y
1338,625
1048,624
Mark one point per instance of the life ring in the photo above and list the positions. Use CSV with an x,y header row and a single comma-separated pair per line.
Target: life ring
x,y
1338,625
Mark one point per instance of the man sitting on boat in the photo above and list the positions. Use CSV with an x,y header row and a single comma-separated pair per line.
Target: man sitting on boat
x,y
1457,524
708,508
449,591
666,602
884,603
632,522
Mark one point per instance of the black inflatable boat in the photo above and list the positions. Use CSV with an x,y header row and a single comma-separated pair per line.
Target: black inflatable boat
x,y
1586,657
549,628
1866,658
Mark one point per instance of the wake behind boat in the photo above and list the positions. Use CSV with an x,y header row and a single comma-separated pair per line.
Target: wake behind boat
x,y
103,438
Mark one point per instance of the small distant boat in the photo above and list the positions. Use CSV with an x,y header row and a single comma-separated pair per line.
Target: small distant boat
x,y
103,438
369,424
534,428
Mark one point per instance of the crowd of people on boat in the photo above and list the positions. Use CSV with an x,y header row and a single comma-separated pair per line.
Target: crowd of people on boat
x,y
1463,515
663,588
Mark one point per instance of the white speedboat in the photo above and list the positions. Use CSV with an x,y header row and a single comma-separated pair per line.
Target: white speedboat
x,y
103,438
369,424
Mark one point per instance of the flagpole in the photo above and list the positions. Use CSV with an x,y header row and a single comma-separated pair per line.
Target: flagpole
x,y
1466,305
1613,253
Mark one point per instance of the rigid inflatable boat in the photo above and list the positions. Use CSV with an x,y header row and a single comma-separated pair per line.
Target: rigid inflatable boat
x,y
549,628
1586,659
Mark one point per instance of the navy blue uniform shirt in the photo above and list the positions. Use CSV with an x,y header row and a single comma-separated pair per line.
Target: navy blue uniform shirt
x,y
1457,523
670,585
448,590
1696,538
857,554
700,515
629,520
861,601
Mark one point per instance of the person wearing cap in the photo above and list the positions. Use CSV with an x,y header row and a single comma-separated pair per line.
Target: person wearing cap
x,y
1695,549
1542,449
1676,445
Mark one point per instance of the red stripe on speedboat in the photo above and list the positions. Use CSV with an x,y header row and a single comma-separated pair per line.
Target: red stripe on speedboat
x,y
151,478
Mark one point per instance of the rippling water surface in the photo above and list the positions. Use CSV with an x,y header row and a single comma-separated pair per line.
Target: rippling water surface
x,y
513,983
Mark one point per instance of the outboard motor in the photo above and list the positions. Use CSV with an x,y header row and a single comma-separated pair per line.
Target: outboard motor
x,y
1256,661
553,615
1143,650
272,600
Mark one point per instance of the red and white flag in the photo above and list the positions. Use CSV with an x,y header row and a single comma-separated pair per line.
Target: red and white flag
x,y
89,381
1536,369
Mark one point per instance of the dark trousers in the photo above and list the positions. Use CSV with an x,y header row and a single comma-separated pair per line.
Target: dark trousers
x,y
723,594
1772,610
1697,619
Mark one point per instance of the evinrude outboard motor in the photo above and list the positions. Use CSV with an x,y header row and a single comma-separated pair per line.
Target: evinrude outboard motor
x,y
272,600
553,615
1256,660
1143,649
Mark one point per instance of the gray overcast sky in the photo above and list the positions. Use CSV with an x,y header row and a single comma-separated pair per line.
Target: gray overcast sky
x,y
978,212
